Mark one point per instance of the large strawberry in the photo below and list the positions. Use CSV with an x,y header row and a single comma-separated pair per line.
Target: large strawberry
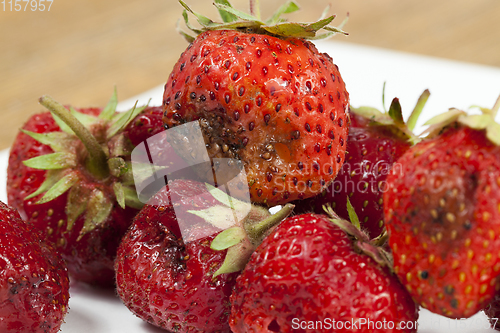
x,y
34,285
442,214
74,182
263,94
310,276
376,140
176,268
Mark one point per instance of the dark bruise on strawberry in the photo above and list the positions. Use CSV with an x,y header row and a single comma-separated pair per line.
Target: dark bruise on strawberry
x,y
165,276
275,103
178,263
82,208
376,140
34,284
309,270
443,218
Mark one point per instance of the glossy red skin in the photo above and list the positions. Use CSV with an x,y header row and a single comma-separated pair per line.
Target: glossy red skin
x,y
308,269
145,125
443,221
149,125
278,104
90,259
34,285
371,153
167,281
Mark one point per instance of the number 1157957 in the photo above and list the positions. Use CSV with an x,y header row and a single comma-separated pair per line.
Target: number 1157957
x,y
26,5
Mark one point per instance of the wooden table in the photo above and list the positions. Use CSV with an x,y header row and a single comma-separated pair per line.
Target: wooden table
x,y
80,49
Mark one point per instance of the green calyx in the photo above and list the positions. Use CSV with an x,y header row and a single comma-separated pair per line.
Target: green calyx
x,y
361,241
240,239
484,121
393,118
234,19
88,150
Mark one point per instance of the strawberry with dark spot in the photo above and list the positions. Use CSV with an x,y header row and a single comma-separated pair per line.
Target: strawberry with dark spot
x,y
265,95
177,264
376,140
77,189
34,284
442,214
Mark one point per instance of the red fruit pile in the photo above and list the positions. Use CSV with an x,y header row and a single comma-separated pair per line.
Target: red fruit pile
x,y
197,259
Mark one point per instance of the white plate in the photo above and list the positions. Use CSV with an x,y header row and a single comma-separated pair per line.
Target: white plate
x,y
364,69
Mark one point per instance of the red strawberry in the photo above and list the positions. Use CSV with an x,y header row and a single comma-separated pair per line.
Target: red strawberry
x,y
266,96
376,140
172,267
308,271
77,190
34,285
442,214
145,125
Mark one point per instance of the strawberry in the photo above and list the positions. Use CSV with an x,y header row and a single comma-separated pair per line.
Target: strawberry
x,y
266,96
145,125
74,182
310,276
442,214
376,140
34,285
175,267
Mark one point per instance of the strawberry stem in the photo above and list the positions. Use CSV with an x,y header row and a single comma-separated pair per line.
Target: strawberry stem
x,y
495,108
97,160
255,8
257,231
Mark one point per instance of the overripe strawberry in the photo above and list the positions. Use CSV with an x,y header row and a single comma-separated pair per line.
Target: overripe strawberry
x,y
376,140
266,96
309,276
77,190
34,285
175,268
442,215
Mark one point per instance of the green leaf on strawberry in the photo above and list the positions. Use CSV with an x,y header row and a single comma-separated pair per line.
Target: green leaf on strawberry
x,y
98,207
71,177
244,227
393,118
484,121
236,20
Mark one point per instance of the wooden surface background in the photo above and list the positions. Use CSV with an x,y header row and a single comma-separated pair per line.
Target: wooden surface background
x,y
80,49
